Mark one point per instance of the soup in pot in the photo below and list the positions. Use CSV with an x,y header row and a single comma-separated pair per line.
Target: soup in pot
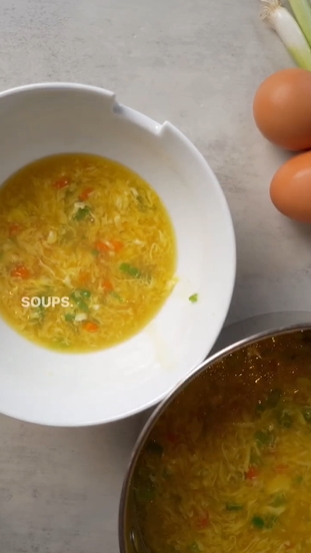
x,y
227,468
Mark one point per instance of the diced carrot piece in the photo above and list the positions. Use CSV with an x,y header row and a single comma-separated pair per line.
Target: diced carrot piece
x,y
117,245
101,246
90,327
20,271
111,245
203,522
252,473
61,183
107,286
14,229
85,194
281,469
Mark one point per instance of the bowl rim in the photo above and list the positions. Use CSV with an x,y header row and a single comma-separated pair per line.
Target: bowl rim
x,y
136,117
161,408
53,85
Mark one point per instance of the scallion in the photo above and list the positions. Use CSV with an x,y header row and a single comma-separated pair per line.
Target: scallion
x,y
82,213
263,438
234,507
258,522
69,317
285,419
306,411
289,32
116,296
302,12
194,548
130,270
274,398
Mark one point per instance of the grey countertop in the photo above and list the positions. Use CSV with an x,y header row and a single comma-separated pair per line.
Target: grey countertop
x,y
196,63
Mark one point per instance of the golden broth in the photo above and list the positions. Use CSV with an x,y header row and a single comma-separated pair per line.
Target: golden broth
x,y
92,234
227,468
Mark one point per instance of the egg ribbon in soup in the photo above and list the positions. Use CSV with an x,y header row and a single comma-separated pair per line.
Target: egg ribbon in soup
x,y
87,252
227,468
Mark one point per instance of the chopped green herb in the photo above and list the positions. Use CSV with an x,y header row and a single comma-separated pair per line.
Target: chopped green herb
x,y
298,479
278,500
267,522
285,419
38,314
82,213
263,437
130,270
116,296
84,293
258,522
193,298
260,407
194,548
82,306
95,253
273,398
233,507
306,411
77,298
77,294
69,317
155,447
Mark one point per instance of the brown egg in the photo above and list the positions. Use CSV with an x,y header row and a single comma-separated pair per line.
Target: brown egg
x,y
290,188
282,109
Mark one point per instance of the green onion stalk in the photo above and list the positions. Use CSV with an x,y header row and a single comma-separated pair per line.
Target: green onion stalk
x,y
302,12
288,30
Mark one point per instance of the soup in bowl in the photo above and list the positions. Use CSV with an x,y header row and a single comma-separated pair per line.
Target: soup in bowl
x,y
117,256
88,252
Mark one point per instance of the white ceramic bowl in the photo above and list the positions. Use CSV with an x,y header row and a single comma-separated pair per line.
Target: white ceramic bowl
x,y
38,385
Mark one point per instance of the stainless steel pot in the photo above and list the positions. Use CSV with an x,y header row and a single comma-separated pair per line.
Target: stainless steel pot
x,y
232,339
